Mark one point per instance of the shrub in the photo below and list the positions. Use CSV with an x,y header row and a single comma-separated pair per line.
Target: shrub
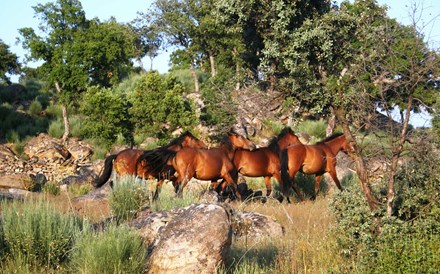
x,y
407,241
35,232
159,107
51,188
105,115
56,128
116,250
129,196
35,108
316,129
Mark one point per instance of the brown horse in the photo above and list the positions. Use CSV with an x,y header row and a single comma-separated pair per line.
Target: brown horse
x,y
127,161
210,164
265,161
313,159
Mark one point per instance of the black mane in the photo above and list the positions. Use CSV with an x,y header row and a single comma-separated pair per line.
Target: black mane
x,y
179,140
273,143
331,137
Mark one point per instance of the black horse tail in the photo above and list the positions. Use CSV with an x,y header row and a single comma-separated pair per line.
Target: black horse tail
x,y
284,166
105,175
156,159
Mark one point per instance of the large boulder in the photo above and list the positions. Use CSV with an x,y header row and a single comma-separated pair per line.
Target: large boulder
x,y
46,148
193,239
23,181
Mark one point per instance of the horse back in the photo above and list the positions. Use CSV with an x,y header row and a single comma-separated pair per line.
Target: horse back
x,y
125,161
256,162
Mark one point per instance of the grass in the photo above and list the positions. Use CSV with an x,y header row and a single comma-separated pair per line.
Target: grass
x,y
307,247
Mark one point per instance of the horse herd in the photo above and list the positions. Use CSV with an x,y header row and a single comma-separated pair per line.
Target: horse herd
x,y
187,157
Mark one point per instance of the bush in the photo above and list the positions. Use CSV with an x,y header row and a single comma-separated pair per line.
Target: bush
x,y
116,250
105,115
129,196
406,242
36,233
159,107
35,108
316,129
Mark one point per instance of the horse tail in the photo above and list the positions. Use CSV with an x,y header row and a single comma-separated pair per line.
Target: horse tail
x,y
105,175
156,159
284,166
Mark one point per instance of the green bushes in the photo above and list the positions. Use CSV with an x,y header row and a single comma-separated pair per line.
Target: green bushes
x,y
35,238
36,233
129,196
115,250
406,242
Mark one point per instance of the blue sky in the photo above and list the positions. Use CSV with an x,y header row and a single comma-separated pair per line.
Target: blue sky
x,y
16,14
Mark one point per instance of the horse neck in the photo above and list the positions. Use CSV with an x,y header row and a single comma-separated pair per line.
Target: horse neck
x,y
335,145
229,149
175,147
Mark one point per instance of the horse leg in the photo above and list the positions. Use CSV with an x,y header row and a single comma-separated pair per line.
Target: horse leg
x,y
335,178
317,184
267,181
297,191
230,180
182,185
158,187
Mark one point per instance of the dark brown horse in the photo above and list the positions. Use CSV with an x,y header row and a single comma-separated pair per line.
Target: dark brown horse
x,y
210,164
265,161
313,159
127,161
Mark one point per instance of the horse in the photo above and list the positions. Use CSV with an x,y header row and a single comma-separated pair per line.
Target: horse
x,y
126,162
265,161
204,164
313,159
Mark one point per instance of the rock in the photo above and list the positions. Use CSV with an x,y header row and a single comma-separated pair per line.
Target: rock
x,y
13,194
256,226
6,152
79,151
46,147
193,239
19,181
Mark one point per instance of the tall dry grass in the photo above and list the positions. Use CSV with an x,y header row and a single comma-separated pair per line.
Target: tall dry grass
x,y
307,246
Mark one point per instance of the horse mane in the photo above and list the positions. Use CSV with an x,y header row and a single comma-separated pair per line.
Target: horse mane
x,y
331,137
179,140
225,140
273,143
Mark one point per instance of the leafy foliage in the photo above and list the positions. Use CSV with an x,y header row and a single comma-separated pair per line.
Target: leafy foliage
x,y
159,106
105,115
8,63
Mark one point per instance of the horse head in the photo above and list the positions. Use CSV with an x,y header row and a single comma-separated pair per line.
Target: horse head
x,y
190,140
239,141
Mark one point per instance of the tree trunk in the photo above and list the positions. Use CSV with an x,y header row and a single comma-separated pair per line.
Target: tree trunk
x,y
330,123
272,77
212,62
194,75
65,117
237,68
397,152
355,154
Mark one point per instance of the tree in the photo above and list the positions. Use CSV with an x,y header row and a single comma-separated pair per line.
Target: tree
x,y
174,19
355,59
148,40
105,115
77,52
267,27
59,21
105,50
159,107
8,63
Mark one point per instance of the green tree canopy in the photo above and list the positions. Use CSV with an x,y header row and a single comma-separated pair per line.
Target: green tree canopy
x,y
8,62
